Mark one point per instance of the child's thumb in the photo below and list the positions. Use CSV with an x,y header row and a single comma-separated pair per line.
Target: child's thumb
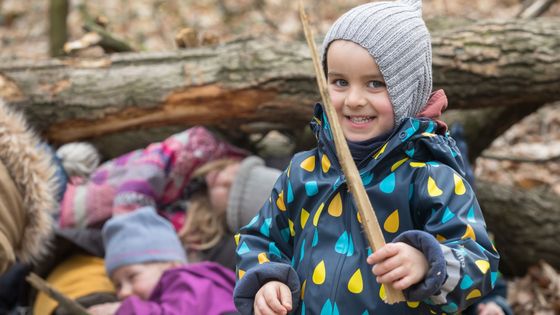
x,y
286,297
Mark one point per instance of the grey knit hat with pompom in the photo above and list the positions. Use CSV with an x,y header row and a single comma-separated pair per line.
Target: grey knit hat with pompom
x,y
397,38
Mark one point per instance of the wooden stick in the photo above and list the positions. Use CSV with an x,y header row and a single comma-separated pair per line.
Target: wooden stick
x,y
365,208
69,304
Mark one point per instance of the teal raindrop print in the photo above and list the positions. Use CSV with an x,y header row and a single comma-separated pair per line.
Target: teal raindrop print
x,y
327,308
493,278
466,282
366,178
265,227
433,163
253,221
350,247
369,251
273,250
410,152
243,249
335,309
302,307
285,234
447,216
302,250
341,245
365,312
453,153
431,127
290,196
410,191
337,183
315,238
450,308
470,215
311,188
388,184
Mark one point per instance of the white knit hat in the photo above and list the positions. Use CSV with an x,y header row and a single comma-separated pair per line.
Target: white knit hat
x,y
250,189
397,38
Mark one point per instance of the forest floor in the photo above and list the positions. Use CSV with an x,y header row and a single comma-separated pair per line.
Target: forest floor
x,y
526,155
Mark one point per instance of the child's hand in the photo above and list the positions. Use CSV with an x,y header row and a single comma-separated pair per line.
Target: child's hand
x,y
398,264
489,308
104,309
273,298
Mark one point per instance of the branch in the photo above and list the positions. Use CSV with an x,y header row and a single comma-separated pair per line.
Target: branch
x,y
365,208
72,306
535,9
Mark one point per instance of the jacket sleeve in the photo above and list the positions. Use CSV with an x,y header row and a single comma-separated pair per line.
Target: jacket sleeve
x,y
265,248
447,211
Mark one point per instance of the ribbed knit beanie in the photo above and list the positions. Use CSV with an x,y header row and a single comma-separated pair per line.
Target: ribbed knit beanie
x,y
397,38
250,189
141,236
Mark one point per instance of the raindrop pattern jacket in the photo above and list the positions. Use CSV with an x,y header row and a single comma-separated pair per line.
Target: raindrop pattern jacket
x,y
309,234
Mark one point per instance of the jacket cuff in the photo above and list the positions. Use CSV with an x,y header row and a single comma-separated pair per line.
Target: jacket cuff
x,y
248,286
436,275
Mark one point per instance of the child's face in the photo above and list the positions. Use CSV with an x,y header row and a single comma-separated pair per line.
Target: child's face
x,y
219,185
138,279
358,92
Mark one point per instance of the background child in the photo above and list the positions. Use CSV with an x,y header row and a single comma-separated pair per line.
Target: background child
x,y
305,250
146,262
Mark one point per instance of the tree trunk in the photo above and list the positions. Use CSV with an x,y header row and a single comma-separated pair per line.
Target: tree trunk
x,y
524,224
514,63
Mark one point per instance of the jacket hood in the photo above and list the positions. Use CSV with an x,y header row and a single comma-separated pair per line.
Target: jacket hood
x,y
419,138
31,170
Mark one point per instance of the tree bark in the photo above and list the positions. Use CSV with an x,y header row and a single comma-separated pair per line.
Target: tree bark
x,y
513,63
524,224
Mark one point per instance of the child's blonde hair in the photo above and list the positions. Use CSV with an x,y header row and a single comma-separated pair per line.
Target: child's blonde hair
x,y
204,226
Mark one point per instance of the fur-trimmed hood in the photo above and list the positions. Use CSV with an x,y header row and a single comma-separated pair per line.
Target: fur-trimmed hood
x,y
26,191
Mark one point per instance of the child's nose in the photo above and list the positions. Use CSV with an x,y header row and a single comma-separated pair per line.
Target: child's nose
x,y
355,98
124,292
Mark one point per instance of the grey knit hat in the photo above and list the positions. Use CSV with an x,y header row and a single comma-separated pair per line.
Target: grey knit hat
x,y
141,236
397,38
250,189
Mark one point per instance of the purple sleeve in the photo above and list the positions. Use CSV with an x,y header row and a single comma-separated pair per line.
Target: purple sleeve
x,y
204,288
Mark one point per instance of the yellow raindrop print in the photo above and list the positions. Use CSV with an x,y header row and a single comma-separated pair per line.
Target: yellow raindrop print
x,y
291,225
459,185
262,258
428,134
412,304
483,265
440,238
335,207
325,163
380,151
391,225
303,218
469,233
289,169
398,163
308,164
280,201
240,274
417,164
382,293
433,189
236,237
319,273
359,217
356,284
303,289
474,294
318,214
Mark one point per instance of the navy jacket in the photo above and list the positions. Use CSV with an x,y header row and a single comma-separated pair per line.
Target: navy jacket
x,y
308,234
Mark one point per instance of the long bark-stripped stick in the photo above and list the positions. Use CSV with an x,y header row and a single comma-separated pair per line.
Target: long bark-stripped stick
x,y
69,304
365,208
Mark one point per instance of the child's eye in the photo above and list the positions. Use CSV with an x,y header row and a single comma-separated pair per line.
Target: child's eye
x,y
340,82
376,84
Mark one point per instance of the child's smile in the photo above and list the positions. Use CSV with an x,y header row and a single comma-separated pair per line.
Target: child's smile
x,y
358,92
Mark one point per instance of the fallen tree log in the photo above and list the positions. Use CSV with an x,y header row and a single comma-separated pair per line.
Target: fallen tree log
x,y
490,63
524,224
